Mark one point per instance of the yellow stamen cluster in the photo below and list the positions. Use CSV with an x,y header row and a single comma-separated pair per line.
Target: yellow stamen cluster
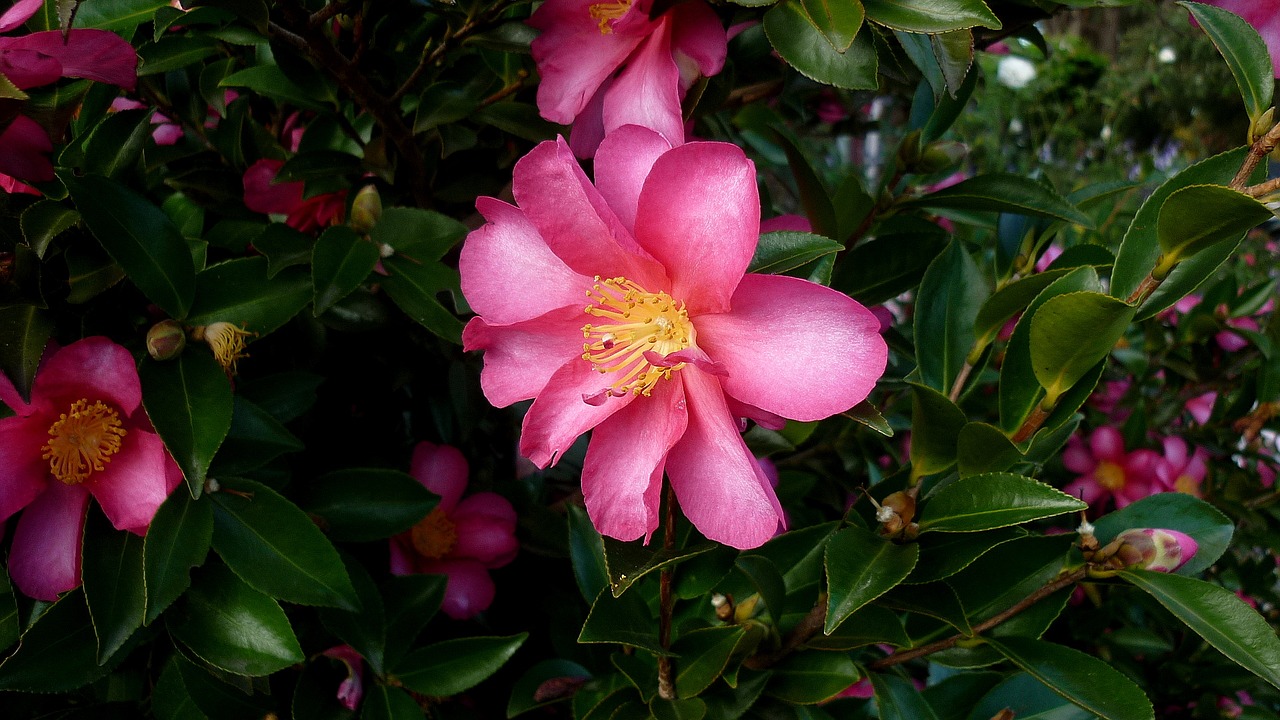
x,y
635,322
82,441
606,11
1109,475
434,535
227,342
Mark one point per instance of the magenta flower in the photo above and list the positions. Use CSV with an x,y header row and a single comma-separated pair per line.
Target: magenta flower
x,y
1201,407
83,433
263,194
608,64
1107,471
1154,549
1180,471
42,58
675,343
350,690
462,538
1264,17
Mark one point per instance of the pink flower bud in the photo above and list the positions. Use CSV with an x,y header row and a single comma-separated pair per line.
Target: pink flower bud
x,y
1153,549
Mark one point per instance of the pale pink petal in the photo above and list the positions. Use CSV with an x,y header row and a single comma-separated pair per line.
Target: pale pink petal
x,y
718,482
699,215
442,469
647,90
24,150
1175,451
622,473
509,274
766,420
469,590
91,54
560,414
573,56
21,11
262,194
27,68
1107,444
94,368
519,359
23,472
795,348
622,164
134,483
166,133
698,34
1077,457
45,558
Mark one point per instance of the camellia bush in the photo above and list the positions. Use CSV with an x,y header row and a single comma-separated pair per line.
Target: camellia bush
x,y
898,359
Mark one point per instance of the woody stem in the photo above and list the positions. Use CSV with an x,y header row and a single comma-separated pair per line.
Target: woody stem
x,y
666,675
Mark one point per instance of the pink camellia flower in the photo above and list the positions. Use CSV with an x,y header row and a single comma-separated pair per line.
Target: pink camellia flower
x,y
1180,471
350,690
1106,400
609,64
1201,407
1264,17
15,186
42,58
675,343
263,194
1106,470
83,433
462,538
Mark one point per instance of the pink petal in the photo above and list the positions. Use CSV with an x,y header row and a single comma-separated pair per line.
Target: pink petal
x,y
24,474
560,414
509,274
488,505
792,223
24,149
92,54
795,348
1077,457
574,220
699,215
588,128
134,483
573,56
443,470
520,358
9,396
485,540
1085,488
1175,451
166,133
94,368
403,557
21,11
27,68
262,194
13,186
718,482
1106,443
469,590
622,164
622,474
766,420
698,35
45,559
647,90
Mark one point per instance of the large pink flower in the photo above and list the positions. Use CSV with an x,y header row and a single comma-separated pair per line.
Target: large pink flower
x,y
1180,470
675,344
1107,471
1264,16
462,538
43,58
83,433
608,64
264,194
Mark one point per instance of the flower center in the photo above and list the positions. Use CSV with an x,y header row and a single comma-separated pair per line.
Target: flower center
x,y
1109,475
1187,484
434,535
606,11
639,329
82,441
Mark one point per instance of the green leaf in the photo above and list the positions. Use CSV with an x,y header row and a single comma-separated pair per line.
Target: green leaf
x,y
113,586
1186,277
945,554
1083,679
935,425
318,165
170,699
174,52
1174,511
779,252
217,694
140,237
1072,333
411,602
1025,564
424,235
837,20
270,81
1219,616
811,677
1009,301
117,15
177,541
1245,52
862,566
799,554
930,16
189,402
935,600
9,630
993,500
1028,698
871,625
233,627
26,330
450,667
628,562
950,295
242,293
984,448
624,620
340,261
57,653
703,656
364,504
586,551
275,548
255,438
366,629
383,702
898,699
531,689
1003,192
883,268
684,708
796,37
283,246
866,414
414,287
1197,217
443,103
766,579
44,221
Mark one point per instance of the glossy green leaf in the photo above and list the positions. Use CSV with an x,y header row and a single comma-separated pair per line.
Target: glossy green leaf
x,y
411,602
703,656
837,20
44,221
233,627
170,699
113,586
424,235
866,414
177,541
811,677
140,237
366,629
935,600
935,425
275,548
269,80
1010,300
26,330
993,500
1026,564
779,252
766,579
930,16
255,438
1030,623
640,669
189,402
450,667
982,448
414,287
682,708
340,261
799,554
624,620
627,562
1211,529
1187,276
870,625
118,15
1028,698
1072,333
950,295
57,653
364,504
174,52
1083,679
217,694
1219,616
1197,217
796,37
1245,52
531,689
943,555
283,247
383,702
861,566
9,629
1006,193
586,551
243,293
898,699
116,143
883,268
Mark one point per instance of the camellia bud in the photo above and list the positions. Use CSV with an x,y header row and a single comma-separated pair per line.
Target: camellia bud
x,y
165,340
1153,549
939,156
366,209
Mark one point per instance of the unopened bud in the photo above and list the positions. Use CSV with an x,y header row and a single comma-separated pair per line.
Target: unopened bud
x,y
1261,125
165,340
939,156
1153,549
366,209
723,605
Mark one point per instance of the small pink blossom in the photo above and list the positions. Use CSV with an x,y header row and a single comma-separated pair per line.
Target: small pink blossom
x,y
351,689
1264,17
1107,471
1201,407
462,538
1180,471
83,434
1107,399
676,343
609,64
263,194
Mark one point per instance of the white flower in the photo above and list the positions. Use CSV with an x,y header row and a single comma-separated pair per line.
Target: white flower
x,y
1166,55
1015,72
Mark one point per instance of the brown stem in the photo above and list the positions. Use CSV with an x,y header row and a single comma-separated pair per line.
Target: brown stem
x,y
958,385
327,12
666,675
809,626
1259,150
1261,189
507,91
994,620
446,43
1031,425
1145,288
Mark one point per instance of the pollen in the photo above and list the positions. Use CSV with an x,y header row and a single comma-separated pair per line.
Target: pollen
x,y
636,328
1109,475
82,441
227,342
607,11
434,535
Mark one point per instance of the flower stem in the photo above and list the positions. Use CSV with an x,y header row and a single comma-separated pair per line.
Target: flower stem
x,y
666,675
1259,150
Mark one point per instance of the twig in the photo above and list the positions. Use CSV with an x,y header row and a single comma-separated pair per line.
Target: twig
x,y
666,676
1145,288
799,635
1261,189
327,12
1261,148
1031,424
